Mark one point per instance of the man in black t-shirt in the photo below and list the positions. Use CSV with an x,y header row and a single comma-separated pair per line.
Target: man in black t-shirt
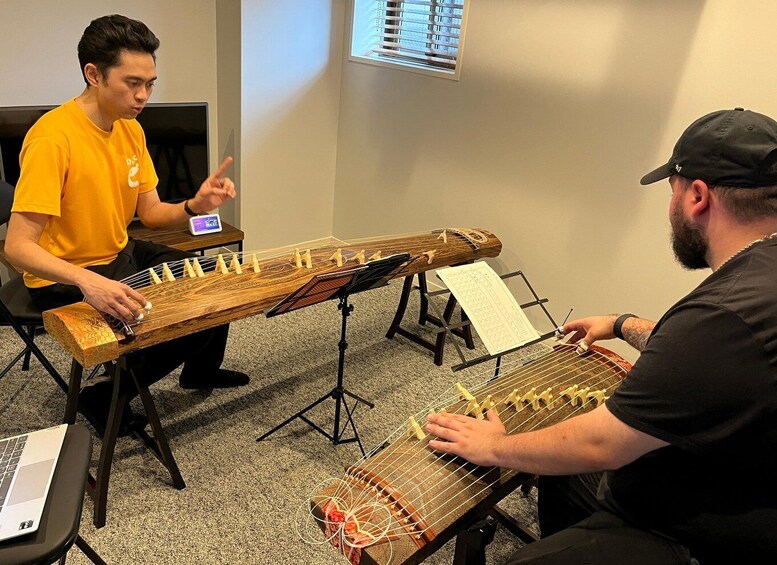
x,y
684,453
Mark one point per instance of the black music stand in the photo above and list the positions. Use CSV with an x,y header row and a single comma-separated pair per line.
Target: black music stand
x,y
338,284
449,328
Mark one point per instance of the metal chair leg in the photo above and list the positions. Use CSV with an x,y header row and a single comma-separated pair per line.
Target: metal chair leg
x,y
27,351
88,551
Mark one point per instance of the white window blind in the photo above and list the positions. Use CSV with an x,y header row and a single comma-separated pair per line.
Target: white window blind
x,y
426,34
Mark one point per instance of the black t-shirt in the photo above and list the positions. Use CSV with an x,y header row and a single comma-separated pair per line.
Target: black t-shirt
x,y
707,384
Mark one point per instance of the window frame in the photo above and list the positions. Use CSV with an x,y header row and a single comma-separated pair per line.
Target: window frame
x,y
403,65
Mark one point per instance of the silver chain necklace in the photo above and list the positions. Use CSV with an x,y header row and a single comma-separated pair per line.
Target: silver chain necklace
x,y
748,246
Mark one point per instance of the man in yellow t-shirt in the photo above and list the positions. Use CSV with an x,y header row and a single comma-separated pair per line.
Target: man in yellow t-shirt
x,y
85,172
74,173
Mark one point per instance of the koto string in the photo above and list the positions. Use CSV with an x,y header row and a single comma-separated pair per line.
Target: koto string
x,y
444,493
443,400
357,510
347,490
511,381
492,483
538,414
507,382
208,262
277,264
385,455
380,459
452,462
475,495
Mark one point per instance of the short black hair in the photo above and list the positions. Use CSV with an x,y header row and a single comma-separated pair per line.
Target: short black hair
x,y
746,204
749,204
104,38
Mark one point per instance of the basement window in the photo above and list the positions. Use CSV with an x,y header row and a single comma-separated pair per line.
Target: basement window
x,y
424,36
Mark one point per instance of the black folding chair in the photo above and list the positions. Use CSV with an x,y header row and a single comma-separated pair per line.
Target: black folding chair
x,y
61,519
17,309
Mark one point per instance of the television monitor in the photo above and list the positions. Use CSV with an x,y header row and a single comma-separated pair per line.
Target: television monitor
x,y
176,136
14,123
177,140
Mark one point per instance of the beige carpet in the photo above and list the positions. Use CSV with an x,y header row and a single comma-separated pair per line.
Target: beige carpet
x,y
241,497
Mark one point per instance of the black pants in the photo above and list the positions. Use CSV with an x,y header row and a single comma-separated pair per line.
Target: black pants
x,y
201,352
575,531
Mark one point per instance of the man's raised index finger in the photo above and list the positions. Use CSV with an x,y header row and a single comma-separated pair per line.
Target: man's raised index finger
x,y
223,168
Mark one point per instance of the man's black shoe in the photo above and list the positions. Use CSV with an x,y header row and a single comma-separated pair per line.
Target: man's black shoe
x,y
132,422
223,378
94,403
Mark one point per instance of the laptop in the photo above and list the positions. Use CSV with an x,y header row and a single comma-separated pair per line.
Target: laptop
x,y
27,464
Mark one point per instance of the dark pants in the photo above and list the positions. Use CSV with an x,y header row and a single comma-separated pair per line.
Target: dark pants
x,y
201,352
576,531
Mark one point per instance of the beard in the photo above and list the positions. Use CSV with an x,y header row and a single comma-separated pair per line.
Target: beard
x,y
689,244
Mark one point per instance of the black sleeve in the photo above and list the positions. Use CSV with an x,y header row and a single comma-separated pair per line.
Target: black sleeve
x,y
698,381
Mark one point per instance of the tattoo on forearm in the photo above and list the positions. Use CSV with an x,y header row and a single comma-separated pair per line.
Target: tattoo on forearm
x,y
636,332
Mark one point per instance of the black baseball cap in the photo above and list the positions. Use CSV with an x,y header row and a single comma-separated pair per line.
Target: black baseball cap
x,y
735,148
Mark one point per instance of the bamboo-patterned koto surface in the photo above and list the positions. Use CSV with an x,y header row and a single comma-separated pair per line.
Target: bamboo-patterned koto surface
x,y
247,284
391,506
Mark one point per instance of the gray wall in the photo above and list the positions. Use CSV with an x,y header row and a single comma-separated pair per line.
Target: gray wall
x,y
562,106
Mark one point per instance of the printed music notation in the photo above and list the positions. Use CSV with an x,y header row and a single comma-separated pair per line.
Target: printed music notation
x,y
493,310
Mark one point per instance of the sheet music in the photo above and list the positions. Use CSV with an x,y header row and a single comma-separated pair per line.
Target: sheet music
x,y
493,310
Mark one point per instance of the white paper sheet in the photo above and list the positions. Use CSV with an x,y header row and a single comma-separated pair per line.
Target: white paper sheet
x,y
493,310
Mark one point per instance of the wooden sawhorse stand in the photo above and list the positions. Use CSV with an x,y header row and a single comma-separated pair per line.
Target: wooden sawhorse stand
x,y
97,485
438,345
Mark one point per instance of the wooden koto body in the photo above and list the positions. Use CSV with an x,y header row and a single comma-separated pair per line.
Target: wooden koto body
x,y
403,500
246,284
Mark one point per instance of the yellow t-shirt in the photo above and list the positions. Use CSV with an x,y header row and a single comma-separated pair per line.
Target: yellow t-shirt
x,y
87,180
